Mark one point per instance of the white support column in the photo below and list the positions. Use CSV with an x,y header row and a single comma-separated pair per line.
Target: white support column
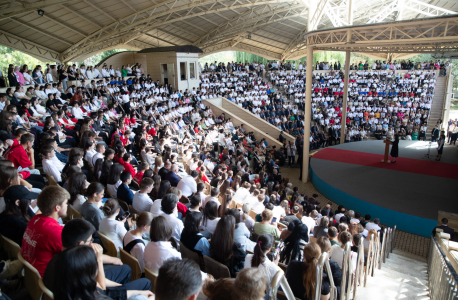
x,y
307,114
350,12
345,97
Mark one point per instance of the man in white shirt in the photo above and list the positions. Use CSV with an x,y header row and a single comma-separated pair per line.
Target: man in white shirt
x,y
213,196
310,221
100,148
51,165
373,225
242,193
142,202
259,207
169,206
188,185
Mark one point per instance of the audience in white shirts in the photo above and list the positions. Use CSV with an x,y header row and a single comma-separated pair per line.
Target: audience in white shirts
x,y
142,202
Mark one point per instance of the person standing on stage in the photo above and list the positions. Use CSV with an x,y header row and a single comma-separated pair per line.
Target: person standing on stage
x,y
395,148
440,146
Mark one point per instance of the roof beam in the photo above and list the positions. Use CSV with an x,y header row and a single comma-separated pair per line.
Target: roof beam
x,y
127,4
427,9
384,13
315,14
100,10
54,19
162,40
36,50
68,8
184,30
175,35
299,37
18,8
141,26
34,27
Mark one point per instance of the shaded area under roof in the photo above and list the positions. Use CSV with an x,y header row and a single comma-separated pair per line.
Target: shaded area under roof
x,y
185,49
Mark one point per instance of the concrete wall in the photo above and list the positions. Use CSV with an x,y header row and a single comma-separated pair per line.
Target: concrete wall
x,y
154,61
238,116
254,120
123,58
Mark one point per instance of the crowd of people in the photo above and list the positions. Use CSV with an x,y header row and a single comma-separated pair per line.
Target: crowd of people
x,y
146,167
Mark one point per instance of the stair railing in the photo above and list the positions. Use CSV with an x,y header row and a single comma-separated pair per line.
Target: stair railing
x,y
371,257
359,268
345,288
392,238
323,262
383,246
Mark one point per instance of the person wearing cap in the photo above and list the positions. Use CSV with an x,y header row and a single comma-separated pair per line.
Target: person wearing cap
x,y
42,237
13,221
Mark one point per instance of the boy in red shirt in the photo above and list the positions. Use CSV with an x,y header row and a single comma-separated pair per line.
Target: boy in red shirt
x,y
127,166
22,155
42,238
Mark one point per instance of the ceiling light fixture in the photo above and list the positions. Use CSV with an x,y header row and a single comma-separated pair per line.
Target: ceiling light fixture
x,y
41,12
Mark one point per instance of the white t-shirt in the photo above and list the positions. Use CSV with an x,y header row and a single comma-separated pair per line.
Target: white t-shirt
x,y
156,253
210,225
138,250
142,202
114,230
156,208
267,268
337,255
309,222
177,225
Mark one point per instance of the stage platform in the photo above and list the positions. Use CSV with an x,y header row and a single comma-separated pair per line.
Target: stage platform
x,y
407,193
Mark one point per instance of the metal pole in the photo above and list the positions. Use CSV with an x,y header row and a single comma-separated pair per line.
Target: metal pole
x,y
345,97
307,116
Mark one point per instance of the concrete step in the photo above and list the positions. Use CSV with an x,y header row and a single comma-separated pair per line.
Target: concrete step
x,y
403,276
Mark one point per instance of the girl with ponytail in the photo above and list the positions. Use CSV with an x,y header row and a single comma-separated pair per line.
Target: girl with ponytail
x,y
301,276
259,259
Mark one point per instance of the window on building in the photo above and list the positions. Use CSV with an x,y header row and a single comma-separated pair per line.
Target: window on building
x,y
183,70
192,72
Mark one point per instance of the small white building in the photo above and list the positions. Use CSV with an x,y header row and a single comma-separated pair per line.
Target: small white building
x,y
177,65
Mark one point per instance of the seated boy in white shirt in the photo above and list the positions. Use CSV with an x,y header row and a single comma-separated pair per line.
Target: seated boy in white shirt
x,y
51,165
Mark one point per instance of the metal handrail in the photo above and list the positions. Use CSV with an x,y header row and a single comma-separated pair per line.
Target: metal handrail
x,y
370,259
346,273
442,279
280,279
382,253
359,267
388,243
378,246
392,238
324,262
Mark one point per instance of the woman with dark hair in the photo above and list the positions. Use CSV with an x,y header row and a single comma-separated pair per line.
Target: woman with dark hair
x,y
222,246
395,148
13,221
106,165
440,147
211,218
155,192
159,249
301,276
241,233
295,242
191,236
77,185
109,226
114,181
156,208
260,260
76,274
225,204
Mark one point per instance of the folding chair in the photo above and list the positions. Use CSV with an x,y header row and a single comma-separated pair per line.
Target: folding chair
x,y
252,214
108,244
186,253
132,262
133,210
31,279
215,268
152,277
11,248
47,294
123,205
73,213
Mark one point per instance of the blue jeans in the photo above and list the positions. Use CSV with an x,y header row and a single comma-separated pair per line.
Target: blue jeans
x,y
61,157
